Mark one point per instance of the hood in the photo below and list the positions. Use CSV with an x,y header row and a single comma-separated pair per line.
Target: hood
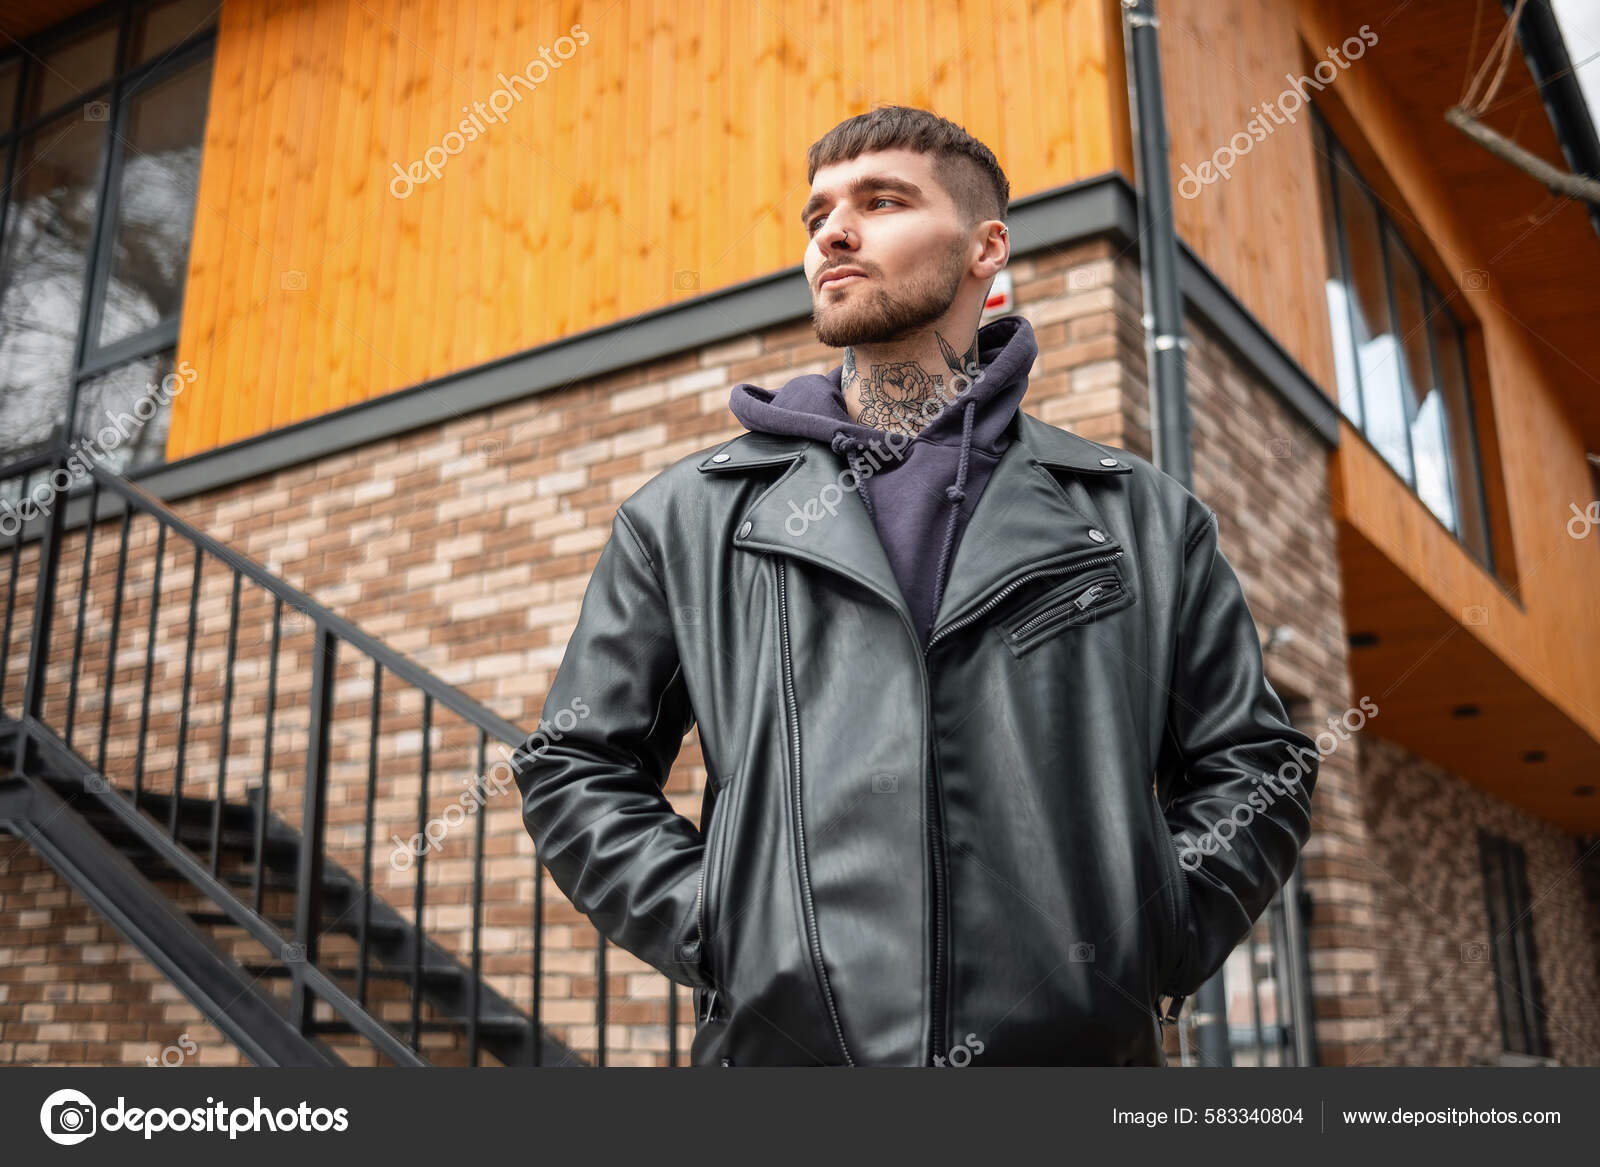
x,y
812,405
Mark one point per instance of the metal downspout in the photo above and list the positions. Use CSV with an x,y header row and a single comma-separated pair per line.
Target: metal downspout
x,y
1164,350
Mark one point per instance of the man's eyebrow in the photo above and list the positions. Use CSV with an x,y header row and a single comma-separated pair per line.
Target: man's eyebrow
x,y
860,186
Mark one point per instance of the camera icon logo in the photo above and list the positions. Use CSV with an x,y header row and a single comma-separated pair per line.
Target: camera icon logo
x,y
67,1117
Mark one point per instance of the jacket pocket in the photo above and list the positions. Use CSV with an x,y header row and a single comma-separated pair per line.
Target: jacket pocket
x,y
706,897
1085,597
1176,896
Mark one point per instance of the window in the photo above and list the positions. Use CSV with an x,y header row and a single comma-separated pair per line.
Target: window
x,y
101,123
1511,953
1399,353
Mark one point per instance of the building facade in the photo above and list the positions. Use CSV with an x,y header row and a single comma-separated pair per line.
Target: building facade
x,y
400,301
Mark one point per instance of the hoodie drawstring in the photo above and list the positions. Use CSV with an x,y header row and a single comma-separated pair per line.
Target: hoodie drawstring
x,y
956,494
852,448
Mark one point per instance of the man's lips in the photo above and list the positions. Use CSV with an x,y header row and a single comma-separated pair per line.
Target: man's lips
x,y
833,279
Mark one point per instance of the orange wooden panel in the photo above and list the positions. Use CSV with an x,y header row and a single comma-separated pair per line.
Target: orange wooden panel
x,y
673,141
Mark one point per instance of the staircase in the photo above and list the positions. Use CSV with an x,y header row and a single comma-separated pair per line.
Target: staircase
x,y
265,899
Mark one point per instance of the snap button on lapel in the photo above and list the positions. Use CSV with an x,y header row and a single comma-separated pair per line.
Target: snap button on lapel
x,y
720,457
1103,461
1097,535
744,530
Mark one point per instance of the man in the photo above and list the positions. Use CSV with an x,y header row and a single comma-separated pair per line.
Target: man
x,y
949,664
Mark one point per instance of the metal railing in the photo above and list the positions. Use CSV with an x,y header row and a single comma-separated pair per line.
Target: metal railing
x,y
283,800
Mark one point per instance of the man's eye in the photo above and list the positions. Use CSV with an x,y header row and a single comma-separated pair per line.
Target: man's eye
x,y
811,227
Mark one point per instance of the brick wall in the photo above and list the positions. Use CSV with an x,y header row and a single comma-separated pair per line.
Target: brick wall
x,y
1432,924
73,992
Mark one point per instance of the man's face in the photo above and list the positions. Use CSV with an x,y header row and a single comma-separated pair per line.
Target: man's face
x,y
904,237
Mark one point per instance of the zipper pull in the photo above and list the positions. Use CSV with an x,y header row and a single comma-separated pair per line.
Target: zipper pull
x,y
1090,594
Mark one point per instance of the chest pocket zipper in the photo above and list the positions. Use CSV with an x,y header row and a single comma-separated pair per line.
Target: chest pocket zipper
x,y
1077,602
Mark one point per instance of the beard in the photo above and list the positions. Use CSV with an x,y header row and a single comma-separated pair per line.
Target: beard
x,y
875,315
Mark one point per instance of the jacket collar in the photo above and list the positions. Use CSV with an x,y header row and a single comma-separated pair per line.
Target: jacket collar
x,y
1023,519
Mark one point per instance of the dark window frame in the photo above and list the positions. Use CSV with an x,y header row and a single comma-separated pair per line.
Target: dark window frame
x,y
1327,143
127,81
1511,942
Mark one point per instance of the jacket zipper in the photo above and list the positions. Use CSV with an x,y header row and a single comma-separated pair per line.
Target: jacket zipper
x,y
700,901
935,815
812,936
700,919
1084,600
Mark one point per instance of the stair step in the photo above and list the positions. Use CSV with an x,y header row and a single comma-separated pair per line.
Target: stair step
x,y
240,815
275,881
278,850
440,973
499,1022
347,926
332,889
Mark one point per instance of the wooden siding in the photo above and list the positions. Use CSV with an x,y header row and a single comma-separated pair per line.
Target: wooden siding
x,y
1520,646
664,159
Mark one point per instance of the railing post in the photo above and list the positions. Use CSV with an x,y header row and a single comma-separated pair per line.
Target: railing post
x,y
44,599
313,823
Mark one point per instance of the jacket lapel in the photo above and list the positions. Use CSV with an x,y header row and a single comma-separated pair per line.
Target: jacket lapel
x,y
811,512
1023,519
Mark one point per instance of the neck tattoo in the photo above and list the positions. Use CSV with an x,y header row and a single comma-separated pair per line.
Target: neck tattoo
x,y
901,396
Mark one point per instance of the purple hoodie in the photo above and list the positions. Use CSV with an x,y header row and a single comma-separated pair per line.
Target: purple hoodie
x,y
920,491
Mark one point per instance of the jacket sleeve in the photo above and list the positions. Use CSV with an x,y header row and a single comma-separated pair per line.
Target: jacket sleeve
x,y
1240,774
591,777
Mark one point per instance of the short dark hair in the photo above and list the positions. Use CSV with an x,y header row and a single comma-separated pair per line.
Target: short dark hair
x,y
964,166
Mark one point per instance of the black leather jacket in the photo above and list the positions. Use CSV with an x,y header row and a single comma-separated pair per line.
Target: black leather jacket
x,y
999,848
